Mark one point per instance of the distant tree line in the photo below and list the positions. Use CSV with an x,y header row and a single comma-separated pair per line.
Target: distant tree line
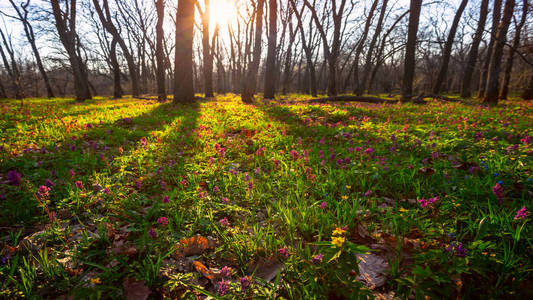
x,y
85,48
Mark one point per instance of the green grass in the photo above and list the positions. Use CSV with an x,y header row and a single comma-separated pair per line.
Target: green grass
x,y
288,195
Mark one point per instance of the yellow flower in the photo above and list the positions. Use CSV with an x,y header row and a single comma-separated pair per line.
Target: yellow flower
x,y
338,231
344,197
348,187
403,209
338,241
96,280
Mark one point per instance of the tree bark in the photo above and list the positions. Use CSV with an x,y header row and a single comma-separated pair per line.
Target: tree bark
x,y
250,83
496,15
159,51
472,55
183,61
516,42
528,92
358,87
66,29
206,49
448,48
105,18
410,49
270,73
491,92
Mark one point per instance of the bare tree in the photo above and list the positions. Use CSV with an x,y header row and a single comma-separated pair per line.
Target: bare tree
x,y
22,14
107,22
496,14
516,42
206,47
473,54
250,82
446,54
183,60
159,52
358,87
11,65
65,22
491,91
410,49
270,73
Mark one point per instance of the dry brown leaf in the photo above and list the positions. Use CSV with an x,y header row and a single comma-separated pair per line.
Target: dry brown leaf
x,y
200,268
135,290
266,269
194,246
372,270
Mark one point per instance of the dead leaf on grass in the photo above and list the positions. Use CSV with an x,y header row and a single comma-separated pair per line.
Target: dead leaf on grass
x,y
372,270
134,289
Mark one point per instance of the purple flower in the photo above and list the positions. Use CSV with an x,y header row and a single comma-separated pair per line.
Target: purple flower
x,y
224,222
317,258
165,199
223,286
323,205
163,221
367,193
521,213
225,200
216,189
14,177
369,151
497,190
43,191
460,250
225,271
294,154
245,282
152,233
79,184
49,183
284,252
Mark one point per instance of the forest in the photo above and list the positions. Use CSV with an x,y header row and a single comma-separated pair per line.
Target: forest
x,y
266,149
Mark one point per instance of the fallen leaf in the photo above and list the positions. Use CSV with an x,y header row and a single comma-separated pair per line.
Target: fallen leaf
x,y
200,268
134,289
194,246
372,270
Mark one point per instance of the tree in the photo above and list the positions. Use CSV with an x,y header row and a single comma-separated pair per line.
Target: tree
x,y
448,48
270,73
183,64
250,82
358,87
65,23
117,87
368,60
107,22
491,90
516,42
307,50
159,52
331,53
410,49
22,14
496,14
11,65
206,48
472,55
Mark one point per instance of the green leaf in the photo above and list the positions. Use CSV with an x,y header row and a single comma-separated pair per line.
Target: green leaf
x,y
482,229
335,256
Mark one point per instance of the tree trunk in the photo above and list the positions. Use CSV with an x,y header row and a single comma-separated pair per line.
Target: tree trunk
x,y
496,14
12,68
516,42
448,48
183,61
410,49
207,51
491,92
117,87
251,78
528,92
270,73
159,53
472,55
360,45
70,40
368,60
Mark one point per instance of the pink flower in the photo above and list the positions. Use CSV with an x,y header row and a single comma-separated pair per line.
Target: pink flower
x,y
225,271
245,282
284,252
43,191
79,184
223,286
152,233
165,199
224,222
521,213
323,205
225,200
497,190
163,221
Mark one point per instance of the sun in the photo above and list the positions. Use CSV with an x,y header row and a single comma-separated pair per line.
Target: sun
x,y
222,12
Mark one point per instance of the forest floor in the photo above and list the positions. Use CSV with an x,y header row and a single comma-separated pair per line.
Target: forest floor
x,y
136,199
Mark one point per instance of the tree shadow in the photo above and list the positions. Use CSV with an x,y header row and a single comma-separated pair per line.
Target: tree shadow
x,y
88,153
